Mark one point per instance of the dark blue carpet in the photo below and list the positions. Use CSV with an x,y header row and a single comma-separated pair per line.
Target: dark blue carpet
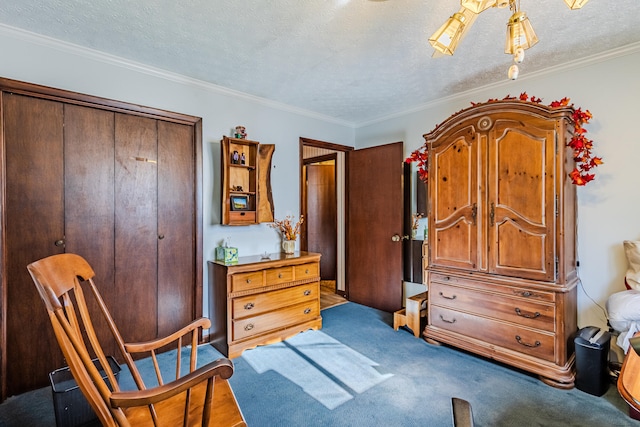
x,y
418,381
423,379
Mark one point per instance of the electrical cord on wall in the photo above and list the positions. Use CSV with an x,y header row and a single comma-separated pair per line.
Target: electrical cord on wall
x,y
604,311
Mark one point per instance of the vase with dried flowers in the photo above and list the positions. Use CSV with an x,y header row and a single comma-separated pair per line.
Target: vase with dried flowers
x,y
415,218
289,230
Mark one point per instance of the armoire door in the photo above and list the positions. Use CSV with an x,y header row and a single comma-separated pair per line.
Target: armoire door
x,y
521,197
33,137
454,214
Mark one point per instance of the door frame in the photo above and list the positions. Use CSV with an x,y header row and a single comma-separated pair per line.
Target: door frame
x,y
315,149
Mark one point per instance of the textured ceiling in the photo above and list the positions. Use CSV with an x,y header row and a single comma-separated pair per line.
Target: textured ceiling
x,y
352,60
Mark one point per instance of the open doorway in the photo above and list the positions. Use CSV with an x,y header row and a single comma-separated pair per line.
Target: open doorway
x,y
322,202
368,218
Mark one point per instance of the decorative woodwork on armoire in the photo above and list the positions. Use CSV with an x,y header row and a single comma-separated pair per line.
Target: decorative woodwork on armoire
x,y
502,236
114,182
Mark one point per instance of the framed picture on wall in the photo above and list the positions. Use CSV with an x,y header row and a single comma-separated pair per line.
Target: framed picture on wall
x,y
239,203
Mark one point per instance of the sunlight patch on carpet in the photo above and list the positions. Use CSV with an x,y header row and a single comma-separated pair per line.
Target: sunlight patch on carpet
x,y
323,367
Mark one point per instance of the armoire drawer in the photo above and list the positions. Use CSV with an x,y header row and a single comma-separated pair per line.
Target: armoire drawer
x,y
524,340
516,310
252,305
507,290
255,325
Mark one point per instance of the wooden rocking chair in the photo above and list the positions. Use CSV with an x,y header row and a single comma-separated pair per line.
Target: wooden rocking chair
x,y
201,397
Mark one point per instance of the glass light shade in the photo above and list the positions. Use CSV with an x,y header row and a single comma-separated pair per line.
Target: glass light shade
x,y
447,37
513,72
519,33
575,4
477,6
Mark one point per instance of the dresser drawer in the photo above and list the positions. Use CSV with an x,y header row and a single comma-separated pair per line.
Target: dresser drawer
x,y
516,310
535,343
276,276
255,325
515,291
244,281
307,271
253,305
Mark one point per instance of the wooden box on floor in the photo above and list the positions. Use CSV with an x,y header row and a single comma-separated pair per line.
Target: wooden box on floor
x,y
412,314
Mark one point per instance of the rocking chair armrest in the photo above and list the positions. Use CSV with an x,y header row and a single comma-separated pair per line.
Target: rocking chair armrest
x,y
222,367
139,347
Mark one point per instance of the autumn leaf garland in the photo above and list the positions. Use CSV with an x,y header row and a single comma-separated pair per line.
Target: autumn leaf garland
x,y
579,143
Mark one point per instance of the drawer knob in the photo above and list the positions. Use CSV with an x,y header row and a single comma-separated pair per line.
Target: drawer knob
x,y
536,344
447,297
248,327
248,306
279,275
248,280
447,320
528,316
307,293
306,271
307,311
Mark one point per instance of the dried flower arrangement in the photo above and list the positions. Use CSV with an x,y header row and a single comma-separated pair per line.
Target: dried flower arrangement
x,y
414,221
289,231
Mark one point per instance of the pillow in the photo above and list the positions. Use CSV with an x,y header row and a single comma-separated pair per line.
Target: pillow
x,y
632,251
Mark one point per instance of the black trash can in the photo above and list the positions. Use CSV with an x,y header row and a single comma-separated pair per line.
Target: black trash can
x,y
592,360
71,407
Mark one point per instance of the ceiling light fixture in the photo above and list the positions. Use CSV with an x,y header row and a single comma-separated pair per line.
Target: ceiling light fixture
x,y
520,34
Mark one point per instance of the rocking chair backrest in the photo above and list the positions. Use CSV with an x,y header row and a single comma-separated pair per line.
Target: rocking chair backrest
x,y
57,279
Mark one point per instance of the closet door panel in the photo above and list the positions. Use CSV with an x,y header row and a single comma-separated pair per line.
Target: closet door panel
x,y
136,227
176,226
33,211
89,195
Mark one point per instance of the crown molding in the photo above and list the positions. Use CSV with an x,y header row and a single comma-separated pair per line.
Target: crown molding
x,y
116,61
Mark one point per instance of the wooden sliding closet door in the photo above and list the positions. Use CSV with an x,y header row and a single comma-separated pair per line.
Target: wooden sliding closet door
x,y
136,230
116,183
33,228
89,196
177,244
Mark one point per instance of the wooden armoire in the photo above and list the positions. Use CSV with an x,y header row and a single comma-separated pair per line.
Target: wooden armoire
x,y
116,183
502,274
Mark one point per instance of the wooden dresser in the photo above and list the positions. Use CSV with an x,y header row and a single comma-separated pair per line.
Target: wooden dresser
x,y
502,261
260,301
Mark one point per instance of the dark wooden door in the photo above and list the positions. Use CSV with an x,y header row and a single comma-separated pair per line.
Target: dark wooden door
x,y
34,229
89,196
322,225
177,219
121,190
374,217
136,230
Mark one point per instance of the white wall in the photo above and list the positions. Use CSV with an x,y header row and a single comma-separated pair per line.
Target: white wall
x,y
609,207
47,62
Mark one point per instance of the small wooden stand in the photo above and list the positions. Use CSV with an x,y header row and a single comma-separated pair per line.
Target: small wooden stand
x,y
410,316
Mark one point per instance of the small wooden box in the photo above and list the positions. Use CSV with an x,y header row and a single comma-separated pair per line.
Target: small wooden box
x,y
411,315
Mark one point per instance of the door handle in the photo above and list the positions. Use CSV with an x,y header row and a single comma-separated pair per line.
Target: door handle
x,y
396,237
